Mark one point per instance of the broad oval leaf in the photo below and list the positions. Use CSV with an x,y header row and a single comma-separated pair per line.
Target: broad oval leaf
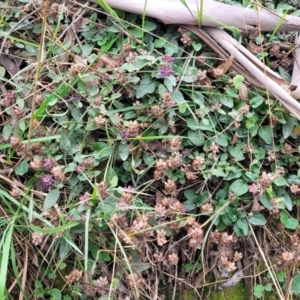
x,y
51,199
258,219
239,187
265,133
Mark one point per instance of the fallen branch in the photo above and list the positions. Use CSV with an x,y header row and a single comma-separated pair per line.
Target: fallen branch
x,y
207,13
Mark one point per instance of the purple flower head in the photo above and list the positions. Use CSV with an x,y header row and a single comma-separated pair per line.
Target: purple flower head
x,y
48,163
129,189
125,134
186,152
48,182
88,162
253,188
165,70
80,169
83,199
169,104
11,95
6,102
168,58
98,100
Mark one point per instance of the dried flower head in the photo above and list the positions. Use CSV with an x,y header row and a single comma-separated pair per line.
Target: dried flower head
x,y
36,164
227,240
157,111
207,207
266,179
294,188
160,211
214,148
286,257
161,237
37,238
198,162
100,121
58,173
126,198
237,256
135,280
175,144
74,276
170,186
133,128
185,38
15,193
102,189
174,161
244,109
173,258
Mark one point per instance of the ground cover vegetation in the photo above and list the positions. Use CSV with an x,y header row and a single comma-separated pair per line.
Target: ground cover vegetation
x,y
133,158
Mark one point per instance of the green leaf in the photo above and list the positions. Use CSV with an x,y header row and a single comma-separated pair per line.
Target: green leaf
x,y
288,127
22,168
114,181
239,187
189,267
182,107
149,26
196,137
287,201
290,223
196,46
222,140
259,153
227,101
265,201
295,288
268,287
243,225
87,50
2,71
55,294
281,181
54,230
232,92
190,194
258,290
237,153
237,81
258,219
159,43
51,198
256,101
147,86
7,130
124,151
148,159
178,96
265,134
170,82
192,123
